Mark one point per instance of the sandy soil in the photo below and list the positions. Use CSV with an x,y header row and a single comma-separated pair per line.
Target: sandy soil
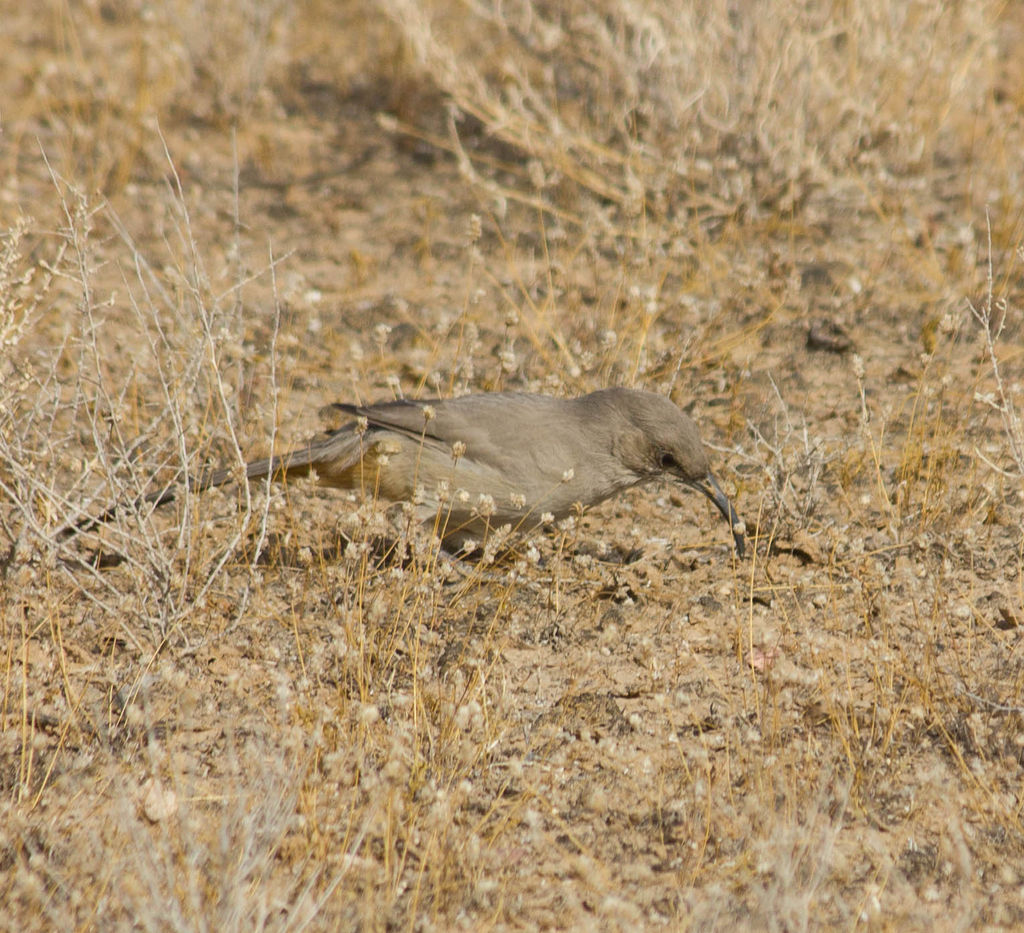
x,y
220,222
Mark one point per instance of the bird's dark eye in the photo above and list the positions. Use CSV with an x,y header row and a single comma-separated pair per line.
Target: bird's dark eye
x,y
666,461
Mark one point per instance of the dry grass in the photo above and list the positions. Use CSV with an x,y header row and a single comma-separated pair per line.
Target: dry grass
x,y
236,712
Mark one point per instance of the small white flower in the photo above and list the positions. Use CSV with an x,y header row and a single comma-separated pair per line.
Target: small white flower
x,y
568,475
547,518
518,500
429,413
507,358
458,450
484,505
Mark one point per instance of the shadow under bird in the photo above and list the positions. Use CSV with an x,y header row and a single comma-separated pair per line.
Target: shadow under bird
x,y
475,463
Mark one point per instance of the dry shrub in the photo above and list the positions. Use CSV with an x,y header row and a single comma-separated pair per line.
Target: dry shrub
x,y
82,438
711,107
116,69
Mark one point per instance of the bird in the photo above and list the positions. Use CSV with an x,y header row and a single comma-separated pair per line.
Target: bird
x,y
475,463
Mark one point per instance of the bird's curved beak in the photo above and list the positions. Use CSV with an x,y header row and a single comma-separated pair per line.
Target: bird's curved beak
x,y
709,486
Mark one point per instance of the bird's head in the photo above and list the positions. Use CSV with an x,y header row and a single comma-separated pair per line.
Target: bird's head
x,y
663,441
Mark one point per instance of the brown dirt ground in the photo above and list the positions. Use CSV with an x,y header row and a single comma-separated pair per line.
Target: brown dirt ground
x,y
626,727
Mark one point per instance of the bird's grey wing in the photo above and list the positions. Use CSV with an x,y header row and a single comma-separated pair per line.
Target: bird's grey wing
x,y
476,420
518,447
404,416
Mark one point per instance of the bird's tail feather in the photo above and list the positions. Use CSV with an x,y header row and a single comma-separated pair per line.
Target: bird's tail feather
x,y
289,465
